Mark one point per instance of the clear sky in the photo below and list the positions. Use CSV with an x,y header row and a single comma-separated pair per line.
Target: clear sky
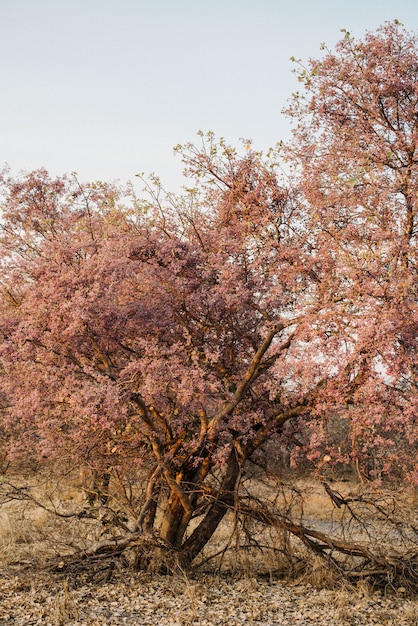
x,y
107,88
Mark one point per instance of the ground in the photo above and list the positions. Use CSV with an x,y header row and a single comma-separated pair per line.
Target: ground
x,y
27,599
243,591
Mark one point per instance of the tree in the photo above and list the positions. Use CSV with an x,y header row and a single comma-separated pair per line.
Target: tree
x,y
165,336
179,335
355,143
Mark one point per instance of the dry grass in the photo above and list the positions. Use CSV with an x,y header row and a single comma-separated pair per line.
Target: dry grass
x,y
31,532
238,586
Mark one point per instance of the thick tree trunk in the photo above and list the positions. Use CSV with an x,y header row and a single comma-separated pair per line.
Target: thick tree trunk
x,y
202,534
171,530
176,518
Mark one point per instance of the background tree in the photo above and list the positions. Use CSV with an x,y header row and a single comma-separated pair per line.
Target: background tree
x,y
355,144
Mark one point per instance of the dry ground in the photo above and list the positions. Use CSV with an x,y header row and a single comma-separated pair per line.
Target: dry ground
x,y
241,589
26,600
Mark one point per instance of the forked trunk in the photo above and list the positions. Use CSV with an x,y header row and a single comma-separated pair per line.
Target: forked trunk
x,y
176,520
224,500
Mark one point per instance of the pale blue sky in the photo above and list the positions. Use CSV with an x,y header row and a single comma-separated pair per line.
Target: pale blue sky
x,y
108,87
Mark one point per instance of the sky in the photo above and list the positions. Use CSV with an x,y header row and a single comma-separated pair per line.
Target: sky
x,y
107,88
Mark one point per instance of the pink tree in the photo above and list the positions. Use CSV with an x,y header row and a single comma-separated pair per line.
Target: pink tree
x,y
179,335
355,142
166,334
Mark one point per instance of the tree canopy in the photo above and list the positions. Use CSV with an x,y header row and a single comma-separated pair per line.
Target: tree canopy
x,y
181,334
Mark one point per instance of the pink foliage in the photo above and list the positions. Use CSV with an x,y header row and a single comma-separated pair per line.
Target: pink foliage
x,y
184,328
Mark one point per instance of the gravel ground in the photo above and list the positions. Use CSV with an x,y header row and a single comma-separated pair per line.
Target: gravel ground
x,y
28,599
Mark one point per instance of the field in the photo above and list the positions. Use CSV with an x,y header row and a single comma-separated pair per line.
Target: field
x,y
243,585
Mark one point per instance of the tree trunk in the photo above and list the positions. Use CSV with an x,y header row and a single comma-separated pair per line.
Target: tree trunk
x,y
202,534
171,527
